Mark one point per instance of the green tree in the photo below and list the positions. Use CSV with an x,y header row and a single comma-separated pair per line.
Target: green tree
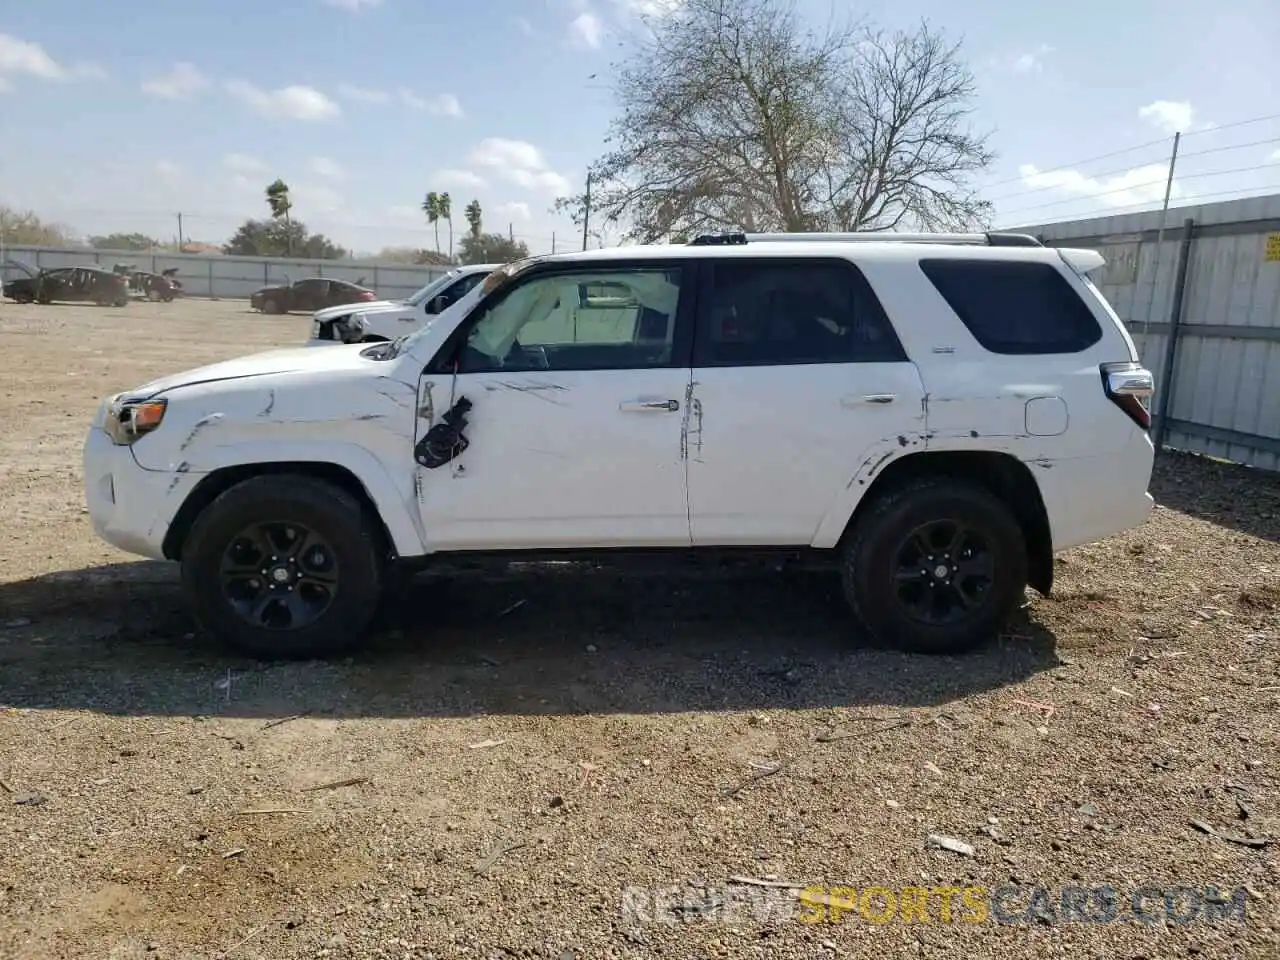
x,y
445,207
490,248
281,204
431,207
735,114
474,216
24,228
123,241
274,238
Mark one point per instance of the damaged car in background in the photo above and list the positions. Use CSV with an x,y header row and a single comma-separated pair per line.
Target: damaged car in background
x,y
146,284
389,319
758,395
85,283
313,293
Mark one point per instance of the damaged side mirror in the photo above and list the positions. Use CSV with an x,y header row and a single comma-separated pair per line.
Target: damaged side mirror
x,y
445,441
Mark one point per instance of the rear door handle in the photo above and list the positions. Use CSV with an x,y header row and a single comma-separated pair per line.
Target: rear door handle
x,y
876,399
649,406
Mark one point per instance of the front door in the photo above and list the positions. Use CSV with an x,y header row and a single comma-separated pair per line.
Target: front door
x,y
799,379
577,383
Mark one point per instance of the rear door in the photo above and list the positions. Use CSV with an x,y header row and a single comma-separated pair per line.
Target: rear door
x,y
798,380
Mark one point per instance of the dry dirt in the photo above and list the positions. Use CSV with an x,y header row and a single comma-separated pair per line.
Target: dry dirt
x,y
593,735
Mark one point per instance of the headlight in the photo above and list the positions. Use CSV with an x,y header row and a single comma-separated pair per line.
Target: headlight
x,y
127,420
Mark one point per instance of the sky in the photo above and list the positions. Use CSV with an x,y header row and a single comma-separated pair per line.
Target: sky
x,y
117,117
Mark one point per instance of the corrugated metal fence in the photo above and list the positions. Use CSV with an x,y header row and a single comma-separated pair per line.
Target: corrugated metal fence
x,y
1202,301
230,277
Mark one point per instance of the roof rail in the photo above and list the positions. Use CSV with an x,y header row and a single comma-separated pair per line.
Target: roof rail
x,y
989,239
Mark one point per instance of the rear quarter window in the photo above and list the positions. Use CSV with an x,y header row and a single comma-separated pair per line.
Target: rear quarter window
x,y
1013,307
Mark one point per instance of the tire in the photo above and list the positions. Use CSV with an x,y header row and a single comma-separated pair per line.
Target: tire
x,y
349,537
887,595
270,306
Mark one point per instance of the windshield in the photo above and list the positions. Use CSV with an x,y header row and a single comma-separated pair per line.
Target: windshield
x,y
432,288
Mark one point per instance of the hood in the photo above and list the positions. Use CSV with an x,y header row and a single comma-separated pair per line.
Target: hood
x,y
299,359
360,306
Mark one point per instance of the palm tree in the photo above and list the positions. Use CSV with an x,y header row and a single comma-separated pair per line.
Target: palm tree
x,y
280,203
431,207
473,215
445,208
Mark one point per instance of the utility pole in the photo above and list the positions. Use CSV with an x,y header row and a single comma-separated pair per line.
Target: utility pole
x,y
1164,215
179,232
586,211
553,243
511,232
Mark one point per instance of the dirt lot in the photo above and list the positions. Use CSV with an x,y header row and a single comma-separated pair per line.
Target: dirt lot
x,y
513,771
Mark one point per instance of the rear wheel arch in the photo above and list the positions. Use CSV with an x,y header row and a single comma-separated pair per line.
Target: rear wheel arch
x,y
1002,474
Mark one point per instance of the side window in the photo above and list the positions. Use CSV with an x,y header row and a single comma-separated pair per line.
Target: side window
x,y
766,312
457,290
555,322
1013,307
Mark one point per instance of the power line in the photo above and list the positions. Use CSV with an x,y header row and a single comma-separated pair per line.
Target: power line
x,y
1234,146
1148,183
1076,163
1231,126
1153,206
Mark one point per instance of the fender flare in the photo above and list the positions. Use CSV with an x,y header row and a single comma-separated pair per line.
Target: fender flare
x,y
875,459
396,505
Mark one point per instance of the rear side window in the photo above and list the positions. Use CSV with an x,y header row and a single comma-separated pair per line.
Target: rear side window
x,y
762,311
1015,308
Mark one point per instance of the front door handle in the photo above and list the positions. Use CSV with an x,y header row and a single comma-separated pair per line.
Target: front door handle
x,y
877,399
650,406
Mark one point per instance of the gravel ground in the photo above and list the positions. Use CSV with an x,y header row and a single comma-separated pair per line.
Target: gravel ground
x,y
576,764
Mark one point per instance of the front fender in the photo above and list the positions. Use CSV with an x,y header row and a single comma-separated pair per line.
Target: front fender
x,y
393,497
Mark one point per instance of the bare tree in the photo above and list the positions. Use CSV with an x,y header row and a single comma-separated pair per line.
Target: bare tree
x,y
735,115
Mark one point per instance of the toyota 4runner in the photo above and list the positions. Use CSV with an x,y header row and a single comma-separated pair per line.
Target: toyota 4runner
x,y
934,415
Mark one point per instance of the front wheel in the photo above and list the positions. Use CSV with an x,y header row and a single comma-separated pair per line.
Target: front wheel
x,y
936,566
284,567
270,306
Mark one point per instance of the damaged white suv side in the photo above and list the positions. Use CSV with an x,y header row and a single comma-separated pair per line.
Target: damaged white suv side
x,y
934,415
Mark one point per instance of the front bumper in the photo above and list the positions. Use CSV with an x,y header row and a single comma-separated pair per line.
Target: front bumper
x,y
131,508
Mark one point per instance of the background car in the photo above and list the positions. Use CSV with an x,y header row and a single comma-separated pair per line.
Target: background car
x,y
388,319
70,284
313,293
153,286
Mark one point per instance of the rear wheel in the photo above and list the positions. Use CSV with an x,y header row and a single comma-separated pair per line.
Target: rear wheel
x,y
936,566
284,567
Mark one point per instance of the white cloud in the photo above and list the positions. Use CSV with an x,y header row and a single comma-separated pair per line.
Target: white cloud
x,y
290,103
1169,116
329,169
458,178
20,56
514,211
312,198
167,170
1032,61
649,8
519,162
1274,157
243,163
353,5
1139,185
362,94
442,105
586,30
183,82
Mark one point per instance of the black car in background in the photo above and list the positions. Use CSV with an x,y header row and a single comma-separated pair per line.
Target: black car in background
x,y
311,294
68,284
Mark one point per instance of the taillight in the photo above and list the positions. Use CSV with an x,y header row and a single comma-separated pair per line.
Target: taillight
x,y
367,295
1130,386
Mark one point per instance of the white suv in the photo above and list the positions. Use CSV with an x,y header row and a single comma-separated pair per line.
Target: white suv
x,y
934,415
389,319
